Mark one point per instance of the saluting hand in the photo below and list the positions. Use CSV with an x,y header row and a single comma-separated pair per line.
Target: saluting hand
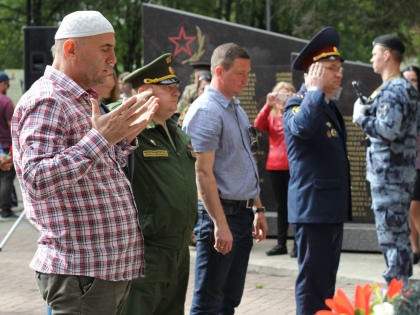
x,y
315,78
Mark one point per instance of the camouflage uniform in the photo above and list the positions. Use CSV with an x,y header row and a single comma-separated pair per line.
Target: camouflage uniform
x,y
391,125
188,96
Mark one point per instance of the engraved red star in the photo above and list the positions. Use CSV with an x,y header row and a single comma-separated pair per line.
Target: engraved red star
x,y
184,44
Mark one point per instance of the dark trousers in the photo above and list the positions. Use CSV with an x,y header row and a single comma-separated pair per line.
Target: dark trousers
x,y
280,183
220,279
6,188
319,248
68,294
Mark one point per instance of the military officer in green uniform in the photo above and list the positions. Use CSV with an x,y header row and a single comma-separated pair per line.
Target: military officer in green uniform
x,y
163,183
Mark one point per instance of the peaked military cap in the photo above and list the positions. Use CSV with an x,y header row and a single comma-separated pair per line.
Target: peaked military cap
x,y
200,65
204,77
323,46
159,72
390,41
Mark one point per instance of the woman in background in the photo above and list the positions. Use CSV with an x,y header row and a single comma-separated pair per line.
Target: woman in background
x,y
109,91
412,74
270,120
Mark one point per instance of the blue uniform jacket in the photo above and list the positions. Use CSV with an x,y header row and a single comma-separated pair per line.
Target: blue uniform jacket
x,y
319,187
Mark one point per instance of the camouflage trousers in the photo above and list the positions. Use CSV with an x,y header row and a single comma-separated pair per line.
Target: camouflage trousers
x,y
391,206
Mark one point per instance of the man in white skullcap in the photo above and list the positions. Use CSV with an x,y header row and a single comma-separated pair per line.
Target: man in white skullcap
x,y
69,160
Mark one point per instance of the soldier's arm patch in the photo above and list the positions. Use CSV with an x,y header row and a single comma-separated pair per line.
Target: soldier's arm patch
x,y
383,110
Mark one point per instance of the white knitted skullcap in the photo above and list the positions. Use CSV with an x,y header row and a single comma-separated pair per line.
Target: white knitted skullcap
x,y
82,24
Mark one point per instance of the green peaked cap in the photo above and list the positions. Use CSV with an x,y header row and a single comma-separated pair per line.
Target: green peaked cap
x,y
159,71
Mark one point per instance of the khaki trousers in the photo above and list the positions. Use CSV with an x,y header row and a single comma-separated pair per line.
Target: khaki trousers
x,y
69,294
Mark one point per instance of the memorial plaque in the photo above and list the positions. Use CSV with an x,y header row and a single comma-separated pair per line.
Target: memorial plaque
x,y
193,38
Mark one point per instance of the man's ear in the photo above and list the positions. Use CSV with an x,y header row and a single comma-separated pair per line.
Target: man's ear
x,y
218,70
69,48
387,54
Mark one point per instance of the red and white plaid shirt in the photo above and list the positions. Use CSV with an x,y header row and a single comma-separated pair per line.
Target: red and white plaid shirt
x,y
74,188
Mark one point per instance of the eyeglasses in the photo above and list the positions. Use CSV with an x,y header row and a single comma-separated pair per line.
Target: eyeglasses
x,y
335,69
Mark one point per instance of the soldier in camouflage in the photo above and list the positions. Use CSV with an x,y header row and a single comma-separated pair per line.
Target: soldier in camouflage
x,y
390,122
191,91
188,96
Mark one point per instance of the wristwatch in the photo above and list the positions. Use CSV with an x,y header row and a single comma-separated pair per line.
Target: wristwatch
x,y
262,209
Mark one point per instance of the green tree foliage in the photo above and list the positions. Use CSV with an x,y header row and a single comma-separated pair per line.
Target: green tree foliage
x,y
16,14
12,18
358,21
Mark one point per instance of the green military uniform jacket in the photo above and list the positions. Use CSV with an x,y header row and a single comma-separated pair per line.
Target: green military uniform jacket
x,y
164,186
165,191
166,195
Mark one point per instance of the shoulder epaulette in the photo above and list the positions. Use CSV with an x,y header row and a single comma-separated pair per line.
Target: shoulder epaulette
x,y
295,109
301,95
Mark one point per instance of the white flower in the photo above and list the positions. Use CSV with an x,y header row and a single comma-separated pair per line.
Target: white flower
x,y
383,309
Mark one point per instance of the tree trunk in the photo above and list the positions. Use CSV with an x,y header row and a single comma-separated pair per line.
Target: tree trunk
x,y
252,14
218,12
228,7
28,12
37,13
239,13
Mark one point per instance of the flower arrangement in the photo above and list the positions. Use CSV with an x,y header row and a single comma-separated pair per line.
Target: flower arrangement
x,y
390,302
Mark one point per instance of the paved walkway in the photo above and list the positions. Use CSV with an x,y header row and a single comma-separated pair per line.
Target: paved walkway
x,y
269,286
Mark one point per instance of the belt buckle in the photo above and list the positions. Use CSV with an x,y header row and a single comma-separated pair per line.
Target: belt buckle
x,y
249,203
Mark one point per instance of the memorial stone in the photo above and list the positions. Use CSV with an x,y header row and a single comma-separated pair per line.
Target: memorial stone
x,y
192,38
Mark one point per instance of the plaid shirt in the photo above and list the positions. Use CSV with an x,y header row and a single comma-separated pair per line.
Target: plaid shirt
x,y
74,188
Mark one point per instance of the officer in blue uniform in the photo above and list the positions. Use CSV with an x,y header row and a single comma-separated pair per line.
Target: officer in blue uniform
x,y
389,120
319,187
